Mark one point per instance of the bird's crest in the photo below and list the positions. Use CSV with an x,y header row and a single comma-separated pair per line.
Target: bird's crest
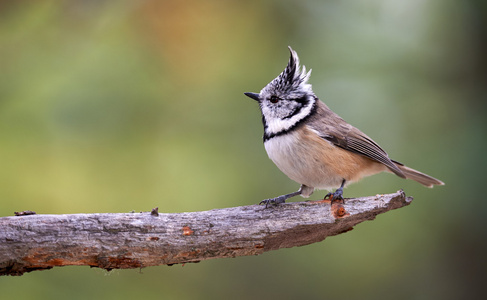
x,y
294,78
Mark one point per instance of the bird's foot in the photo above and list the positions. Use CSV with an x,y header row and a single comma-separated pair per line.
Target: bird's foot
x,y
273,201
336,196
280,199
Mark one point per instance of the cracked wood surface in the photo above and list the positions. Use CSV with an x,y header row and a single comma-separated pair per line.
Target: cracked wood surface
x,y
137,240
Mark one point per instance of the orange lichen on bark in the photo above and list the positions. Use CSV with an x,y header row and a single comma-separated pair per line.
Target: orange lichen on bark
x,y
338,210
187,231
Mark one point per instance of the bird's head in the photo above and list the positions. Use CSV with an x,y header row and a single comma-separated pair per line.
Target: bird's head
x,y
287,99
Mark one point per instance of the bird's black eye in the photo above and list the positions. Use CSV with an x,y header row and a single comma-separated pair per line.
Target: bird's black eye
x,y
274,99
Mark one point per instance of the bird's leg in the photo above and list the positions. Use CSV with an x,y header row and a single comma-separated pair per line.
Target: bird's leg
x,y
337,195
281,199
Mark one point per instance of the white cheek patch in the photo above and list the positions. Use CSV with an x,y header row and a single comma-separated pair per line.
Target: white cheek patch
x,y
278,125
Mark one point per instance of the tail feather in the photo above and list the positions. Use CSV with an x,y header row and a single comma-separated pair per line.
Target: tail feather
x,y
422,178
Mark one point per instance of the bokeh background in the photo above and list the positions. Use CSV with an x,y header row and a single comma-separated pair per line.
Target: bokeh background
x,y
114,106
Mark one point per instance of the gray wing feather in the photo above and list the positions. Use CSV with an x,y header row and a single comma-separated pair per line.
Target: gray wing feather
x,y
365,146
335,130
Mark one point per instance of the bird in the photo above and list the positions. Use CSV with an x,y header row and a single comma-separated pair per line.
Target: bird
x,y
314,146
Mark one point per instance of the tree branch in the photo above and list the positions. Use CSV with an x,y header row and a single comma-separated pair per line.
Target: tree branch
x,y
138,240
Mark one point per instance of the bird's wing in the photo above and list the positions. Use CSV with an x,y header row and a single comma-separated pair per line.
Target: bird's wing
x,y
338,132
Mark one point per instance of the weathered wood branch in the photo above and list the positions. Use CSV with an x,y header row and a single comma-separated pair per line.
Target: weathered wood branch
x,y
137,240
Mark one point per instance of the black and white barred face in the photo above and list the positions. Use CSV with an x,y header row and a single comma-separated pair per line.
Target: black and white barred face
x,y
287,100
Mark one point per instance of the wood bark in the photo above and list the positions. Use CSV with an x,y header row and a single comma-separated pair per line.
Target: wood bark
x,y
137,240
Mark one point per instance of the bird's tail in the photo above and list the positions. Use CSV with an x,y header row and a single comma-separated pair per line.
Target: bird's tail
x,y
422,178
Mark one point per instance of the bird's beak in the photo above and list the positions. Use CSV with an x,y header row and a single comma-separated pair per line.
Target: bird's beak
x,y
253,96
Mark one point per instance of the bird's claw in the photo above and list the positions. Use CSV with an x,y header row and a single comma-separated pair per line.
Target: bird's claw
x,y
272,201
336,196
267,202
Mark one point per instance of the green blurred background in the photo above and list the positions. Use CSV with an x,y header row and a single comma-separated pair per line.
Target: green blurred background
x,y
114,106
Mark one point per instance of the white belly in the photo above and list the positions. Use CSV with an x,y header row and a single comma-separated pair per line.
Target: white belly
x,y
302,162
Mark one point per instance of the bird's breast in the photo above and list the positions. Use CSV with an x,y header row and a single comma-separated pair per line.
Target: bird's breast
x,y
308,159
304,159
